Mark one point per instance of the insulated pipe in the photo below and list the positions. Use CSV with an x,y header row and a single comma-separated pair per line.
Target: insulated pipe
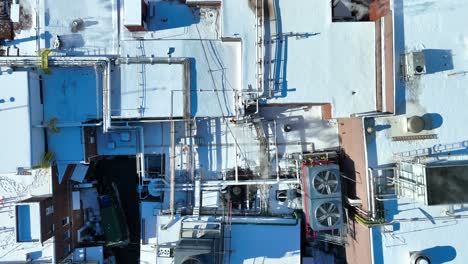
x,y
74,124
106,101
222,184
172,170
371,192
217,185
152,60
34,61
276,151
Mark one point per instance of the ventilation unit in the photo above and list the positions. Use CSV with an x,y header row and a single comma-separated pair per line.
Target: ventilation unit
x,y
324,181
326,214
323,197
404,128
433,184
414,64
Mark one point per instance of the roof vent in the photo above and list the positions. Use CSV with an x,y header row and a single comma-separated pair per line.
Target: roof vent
x,y
418,257
414,64
416,124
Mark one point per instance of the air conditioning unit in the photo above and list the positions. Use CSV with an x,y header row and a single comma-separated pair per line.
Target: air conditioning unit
x,y
324,181
324,201
327,214
414,64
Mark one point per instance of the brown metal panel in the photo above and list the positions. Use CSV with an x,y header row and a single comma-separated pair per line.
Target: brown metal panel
x,y
378,64
62,193
358,250
353,145
389,68
378,9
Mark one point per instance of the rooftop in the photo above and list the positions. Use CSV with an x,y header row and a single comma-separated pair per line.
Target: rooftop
x,y
214,110
438,96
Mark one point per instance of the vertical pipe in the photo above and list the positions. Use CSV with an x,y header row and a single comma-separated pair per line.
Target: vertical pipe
x,y
172,172
236,169
370,183
297,169
276,150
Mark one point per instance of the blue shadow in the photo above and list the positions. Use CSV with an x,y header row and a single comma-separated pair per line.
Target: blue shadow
x,y
441,254
193,87
438,60
432,121
172,14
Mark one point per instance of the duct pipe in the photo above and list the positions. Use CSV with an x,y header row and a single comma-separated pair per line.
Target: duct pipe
x,y
172,170
249,182
276,151
73,124
370,185
152,60
218,185
34,61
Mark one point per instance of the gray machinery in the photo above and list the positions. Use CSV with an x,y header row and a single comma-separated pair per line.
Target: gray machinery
x,y
323,199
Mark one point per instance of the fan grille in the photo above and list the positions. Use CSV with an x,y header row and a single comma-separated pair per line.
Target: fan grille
x,y
326,182
327,214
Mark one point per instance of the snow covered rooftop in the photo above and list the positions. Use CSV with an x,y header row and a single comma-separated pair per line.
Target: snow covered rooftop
x,y
14,188
269,244
321,61
23,144
439,96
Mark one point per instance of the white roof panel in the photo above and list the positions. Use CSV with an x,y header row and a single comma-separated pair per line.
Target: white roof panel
x,y
132,12
268,244
15,134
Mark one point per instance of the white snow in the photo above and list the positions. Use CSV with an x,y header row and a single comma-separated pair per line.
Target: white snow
x,y
269,244
14,188
132,12
158,92
100,32
436,28
334,59
22,144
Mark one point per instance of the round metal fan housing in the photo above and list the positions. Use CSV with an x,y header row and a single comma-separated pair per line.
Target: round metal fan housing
x,y
327,214
326,182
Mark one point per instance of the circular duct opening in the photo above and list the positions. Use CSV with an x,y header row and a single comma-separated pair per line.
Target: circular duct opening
x,y
287,128
236,190
419,69
419,257
282,195
77,25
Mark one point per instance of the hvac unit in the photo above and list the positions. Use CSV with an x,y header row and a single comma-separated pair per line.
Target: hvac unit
x,y
327,214
414,64
407,128
433,183
324,181
324,203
